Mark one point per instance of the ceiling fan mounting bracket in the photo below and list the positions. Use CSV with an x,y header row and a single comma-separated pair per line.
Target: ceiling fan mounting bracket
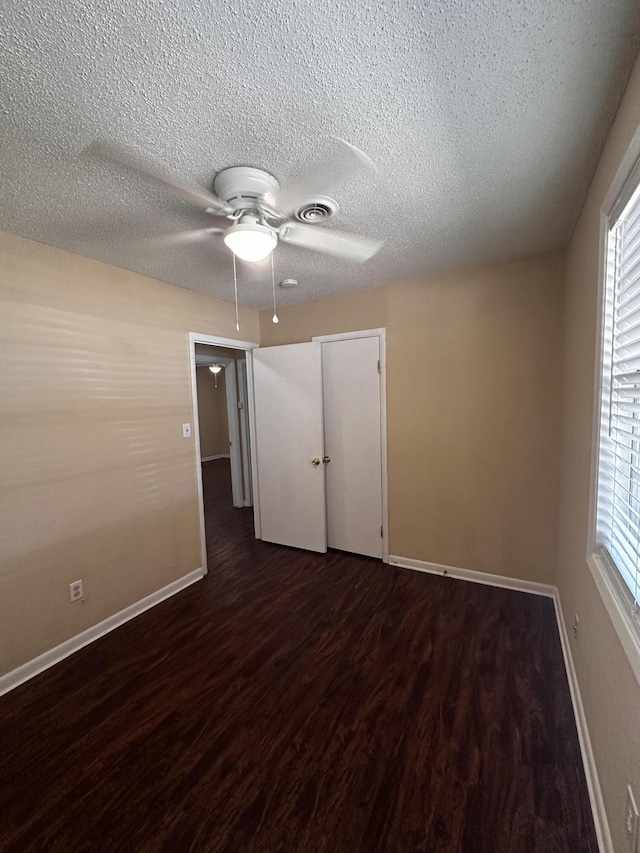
x,y
242,186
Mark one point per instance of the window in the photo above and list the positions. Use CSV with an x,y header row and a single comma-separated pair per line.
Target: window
x,y
618,501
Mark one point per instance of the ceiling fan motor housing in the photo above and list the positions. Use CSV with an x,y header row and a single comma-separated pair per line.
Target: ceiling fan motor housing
x,y
242,186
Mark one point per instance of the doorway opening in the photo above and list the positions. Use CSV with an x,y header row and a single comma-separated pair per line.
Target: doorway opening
x,y
221,382
311,403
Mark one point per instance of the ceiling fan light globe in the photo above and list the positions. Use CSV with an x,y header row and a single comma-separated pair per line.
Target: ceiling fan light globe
x,y
250,241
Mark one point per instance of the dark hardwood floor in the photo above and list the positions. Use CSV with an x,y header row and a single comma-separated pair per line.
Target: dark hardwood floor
x,y
301,702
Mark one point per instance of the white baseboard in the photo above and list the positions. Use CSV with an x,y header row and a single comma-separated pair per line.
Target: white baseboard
x,y
605,842
217,456
44,661
474,576
603,833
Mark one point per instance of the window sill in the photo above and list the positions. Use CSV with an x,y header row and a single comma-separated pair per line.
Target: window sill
x,y
626,624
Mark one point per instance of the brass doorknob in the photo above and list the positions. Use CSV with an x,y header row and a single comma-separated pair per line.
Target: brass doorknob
x,y
326,459
315,461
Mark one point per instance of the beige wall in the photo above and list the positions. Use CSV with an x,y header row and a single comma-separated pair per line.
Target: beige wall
x,y
472,408
212,413
96,480
609,690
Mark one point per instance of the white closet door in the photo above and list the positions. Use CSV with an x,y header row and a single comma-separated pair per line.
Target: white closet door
x,y
289,437
352,435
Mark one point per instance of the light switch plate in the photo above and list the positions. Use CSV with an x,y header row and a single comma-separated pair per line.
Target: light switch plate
x,y
186,430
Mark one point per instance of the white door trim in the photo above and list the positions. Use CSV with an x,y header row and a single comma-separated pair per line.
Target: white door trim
x,y
257,526
234,433
381,335
243,385
347,336
213,340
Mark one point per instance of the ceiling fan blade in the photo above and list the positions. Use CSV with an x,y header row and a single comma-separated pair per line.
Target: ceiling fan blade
x,y
190,192
178,238
327,173
353,247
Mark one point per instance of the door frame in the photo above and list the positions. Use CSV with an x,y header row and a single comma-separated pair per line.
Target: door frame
x,y
228,343
381,335
234,433
243,406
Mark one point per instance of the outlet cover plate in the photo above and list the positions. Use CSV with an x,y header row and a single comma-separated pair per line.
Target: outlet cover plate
x,y
631,821
76,591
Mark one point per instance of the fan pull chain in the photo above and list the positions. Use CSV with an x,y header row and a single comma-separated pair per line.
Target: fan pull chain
x,y
235,288
273,287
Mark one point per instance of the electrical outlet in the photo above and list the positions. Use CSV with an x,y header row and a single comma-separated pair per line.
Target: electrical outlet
x,y
76,592
631,821
186,430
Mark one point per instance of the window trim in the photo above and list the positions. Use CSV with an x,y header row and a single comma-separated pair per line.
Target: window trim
x,y
612,589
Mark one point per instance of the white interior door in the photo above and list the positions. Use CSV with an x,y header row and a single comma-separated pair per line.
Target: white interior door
x,y
288,438
352,433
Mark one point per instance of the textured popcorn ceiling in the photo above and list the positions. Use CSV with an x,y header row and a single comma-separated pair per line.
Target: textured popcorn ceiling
x,y
485,118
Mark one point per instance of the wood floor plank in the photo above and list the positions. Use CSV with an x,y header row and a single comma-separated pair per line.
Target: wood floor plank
x,y
301,702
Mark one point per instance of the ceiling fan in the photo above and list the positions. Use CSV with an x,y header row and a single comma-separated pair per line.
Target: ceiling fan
x,y
261,211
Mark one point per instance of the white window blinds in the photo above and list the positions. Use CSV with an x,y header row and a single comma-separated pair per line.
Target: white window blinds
x,y
619,472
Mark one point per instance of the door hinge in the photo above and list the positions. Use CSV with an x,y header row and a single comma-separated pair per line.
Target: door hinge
x,y
379,371
381,531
